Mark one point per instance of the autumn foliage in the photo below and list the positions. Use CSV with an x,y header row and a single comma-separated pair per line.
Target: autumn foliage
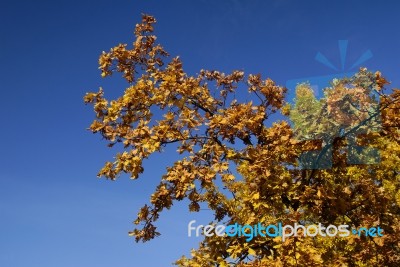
x,y
248,169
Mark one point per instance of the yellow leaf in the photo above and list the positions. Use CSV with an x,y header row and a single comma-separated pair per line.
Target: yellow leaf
x,y
252,252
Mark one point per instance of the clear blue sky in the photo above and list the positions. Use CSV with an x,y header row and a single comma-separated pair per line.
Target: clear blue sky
x,y
53,209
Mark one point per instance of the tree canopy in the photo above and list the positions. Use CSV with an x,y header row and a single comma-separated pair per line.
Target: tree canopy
x,y
330,161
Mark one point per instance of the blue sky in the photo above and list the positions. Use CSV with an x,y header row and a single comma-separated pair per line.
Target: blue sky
x,y
53,209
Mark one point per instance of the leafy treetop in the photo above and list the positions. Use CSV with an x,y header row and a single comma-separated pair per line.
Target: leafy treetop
x,y
248,172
